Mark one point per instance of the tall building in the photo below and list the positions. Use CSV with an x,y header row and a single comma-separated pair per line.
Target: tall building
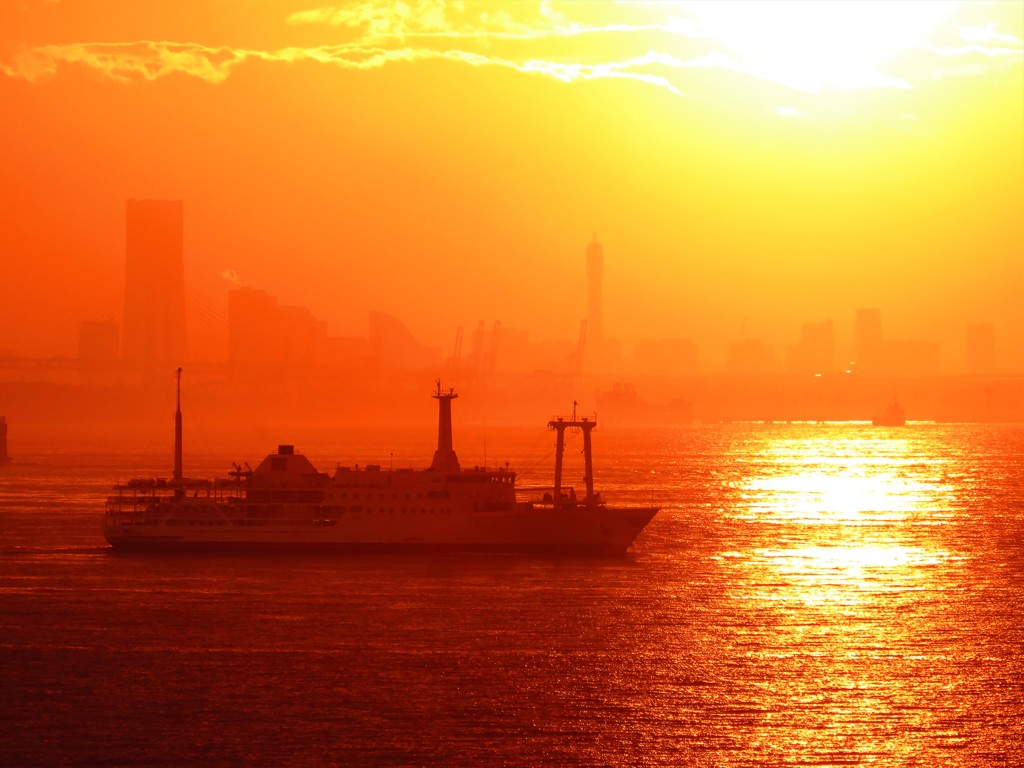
x,y
153,330
867,336
595,274
981,348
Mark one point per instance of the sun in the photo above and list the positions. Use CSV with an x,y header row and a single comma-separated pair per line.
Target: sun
x,y
814,46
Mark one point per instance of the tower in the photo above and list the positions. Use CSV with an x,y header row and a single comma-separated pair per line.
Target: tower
x,y
153,330
595,275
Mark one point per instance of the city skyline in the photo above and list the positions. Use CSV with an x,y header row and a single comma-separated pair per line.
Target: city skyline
x,y
726,211
260,332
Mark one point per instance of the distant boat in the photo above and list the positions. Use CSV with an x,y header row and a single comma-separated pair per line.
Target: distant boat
x,y
892,417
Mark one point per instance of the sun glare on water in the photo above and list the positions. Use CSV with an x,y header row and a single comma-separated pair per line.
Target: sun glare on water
x,y
817,46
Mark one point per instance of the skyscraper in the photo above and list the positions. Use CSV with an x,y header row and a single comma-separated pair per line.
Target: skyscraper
x,y
153,330
595,274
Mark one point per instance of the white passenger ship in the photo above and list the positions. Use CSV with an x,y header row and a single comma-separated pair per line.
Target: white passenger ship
x,y
286,503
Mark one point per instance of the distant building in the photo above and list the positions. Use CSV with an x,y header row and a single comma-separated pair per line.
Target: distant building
x,y
877,356
981,349
98,340
750,358
392,344
262,335
815,352
252,328
667,357
867,335
154,283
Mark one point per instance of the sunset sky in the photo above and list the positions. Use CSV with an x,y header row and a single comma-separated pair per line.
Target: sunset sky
x,y
747,166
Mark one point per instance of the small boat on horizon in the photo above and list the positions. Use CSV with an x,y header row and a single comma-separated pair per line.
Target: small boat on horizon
x,y
893,416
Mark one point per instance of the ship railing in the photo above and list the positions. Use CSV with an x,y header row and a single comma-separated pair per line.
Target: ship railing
x,y
566,496
136,492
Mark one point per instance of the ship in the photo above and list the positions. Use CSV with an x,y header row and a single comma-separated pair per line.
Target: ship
x,y
893,416
286,503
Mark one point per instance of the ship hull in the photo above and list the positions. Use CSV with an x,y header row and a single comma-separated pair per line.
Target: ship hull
x,y
598,530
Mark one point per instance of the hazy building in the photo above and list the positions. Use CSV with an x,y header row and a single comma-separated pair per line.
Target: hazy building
x,y
867,335
253,335
981,348
595,277
815,352
392,344
666,357
750,358
154,283
264,335
98,340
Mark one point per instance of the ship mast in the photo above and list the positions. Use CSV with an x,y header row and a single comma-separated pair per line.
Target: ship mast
x,y
179,492
587,426
4,458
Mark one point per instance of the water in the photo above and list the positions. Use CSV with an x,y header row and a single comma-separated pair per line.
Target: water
x,y
810,595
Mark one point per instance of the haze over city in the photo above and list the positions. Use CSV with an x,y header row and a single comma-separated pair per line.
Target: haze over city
x,y
447,164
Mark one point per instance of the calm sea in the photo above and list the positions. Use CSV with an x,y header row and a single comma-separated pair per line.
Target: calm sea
x,y
809,595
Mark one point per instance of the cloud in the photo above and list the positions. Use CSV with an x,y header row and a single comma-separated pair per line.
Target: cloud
x,y
380,34
381,21
151,60
148,60
977,50
987,34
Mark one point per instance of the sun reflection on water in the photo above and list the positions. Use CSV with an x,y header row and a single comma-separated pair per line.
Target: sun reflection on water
x,y
849,509
847,561
854,482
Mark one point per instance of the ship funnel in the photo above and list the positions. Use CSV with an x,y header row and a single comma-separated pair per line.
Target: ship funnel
x,y
445,459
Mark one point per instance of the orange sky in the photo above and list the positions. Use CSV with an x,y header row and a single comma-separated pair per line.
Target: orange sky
x,y
746,166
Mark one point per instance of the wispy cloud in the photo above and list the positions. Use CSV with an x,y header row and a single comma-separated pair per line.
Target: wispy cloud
x,y
151,60
147,60
976,49
539,39
437,18
987,33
